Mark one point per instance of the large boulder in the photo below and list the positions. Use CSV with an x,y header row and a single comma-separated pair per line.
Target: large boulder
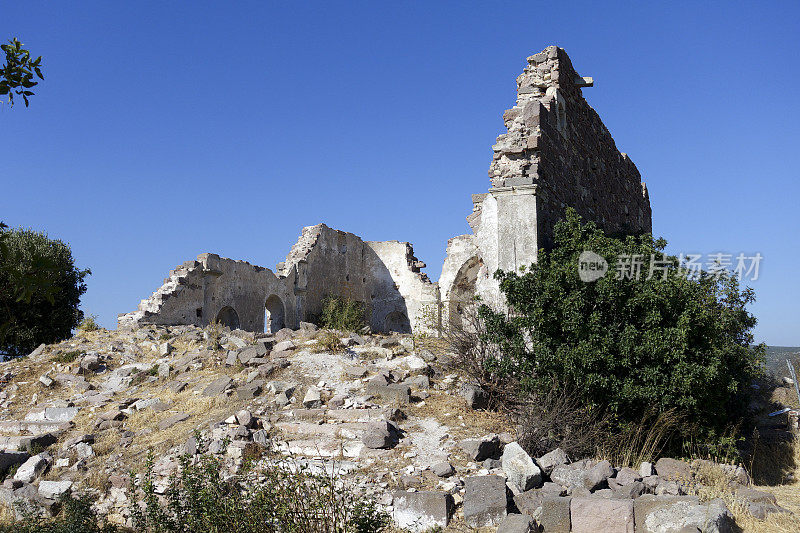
x,y
674,470
552,459
32,468
519,468
422,511
485,500
660,514
589,515
481,448
54,489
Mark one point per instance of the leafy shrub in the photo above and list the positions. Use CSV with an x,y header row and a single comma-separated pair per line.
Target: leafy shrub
x,y
289,499
68,357
343,314
328,341
40,290
76,516
628,345
89,324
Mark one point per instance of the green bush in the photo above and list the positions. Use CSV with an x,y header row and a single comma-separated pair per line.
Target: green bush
x,y
76,516
89,324
40,290
628,346
343,314
287,498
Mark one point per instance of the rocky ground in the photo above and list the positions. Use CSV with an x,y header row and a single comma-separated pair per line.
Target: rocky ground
x,y
389,414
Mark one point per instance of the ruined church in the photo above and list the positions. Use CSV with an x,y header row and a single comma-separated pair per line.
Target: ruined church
x,y
556,153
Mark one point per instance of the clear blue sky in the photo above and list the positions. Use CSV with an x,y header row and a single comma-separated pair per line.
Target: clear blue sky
x,y
168,129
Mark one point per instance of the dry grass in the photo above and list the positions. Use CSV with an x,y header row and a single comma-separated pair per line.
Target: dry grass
x,y
6,515
447,409
643,441
711,481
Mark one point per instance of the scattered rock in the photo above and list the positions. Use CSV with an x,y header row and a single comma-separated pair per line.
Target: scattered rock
x,y
380,435
218,386
32,468
171,421
481,448
552,459
54,489
475,397
519,468
443,469
517,523
422,511
485,500
313,398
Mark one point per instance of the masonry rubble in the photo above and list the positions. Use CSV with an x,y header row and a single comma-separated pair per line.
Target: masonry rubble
x,y
437,462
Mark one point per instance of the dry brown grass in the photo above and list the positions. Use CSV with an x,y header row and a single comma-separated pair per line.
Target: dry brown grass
x,y
447,408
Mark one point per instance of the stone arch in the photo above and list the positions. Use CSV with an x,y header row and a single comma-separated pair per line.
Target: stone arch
x,y
228,316
397,322
462,292
274,314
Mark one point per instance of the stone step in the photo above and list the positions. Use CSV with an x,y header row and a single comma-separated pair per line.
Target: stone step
x,y
22,427
321,448
351,430
26,443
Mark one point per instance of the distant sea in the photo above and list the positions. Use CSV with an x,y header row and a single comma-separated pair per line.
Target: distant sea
x,y
776,360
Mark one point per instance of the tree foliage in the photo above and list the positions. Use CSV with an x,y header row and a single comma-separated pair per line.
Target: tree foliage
x,y
628,346
17,74
40,290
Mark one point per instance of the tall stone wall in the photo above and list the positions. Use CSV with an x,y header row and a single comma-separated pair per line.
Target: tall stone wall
x,y
557,144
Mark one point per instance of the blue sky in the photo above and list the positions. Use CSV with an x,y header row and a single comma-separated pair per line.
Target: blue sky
x,y
168,129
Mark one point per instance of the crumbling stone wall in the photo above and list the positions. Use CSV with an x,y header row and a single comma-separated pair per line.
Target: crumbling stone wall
x,y
556,153
384,275
557,143
211,289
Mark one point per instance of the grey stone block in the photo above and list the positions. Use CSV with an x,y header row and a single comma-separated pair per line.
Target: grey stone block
x,y
555,516
589,515
516,523
481,448
422,511
552,459
519,468
485,500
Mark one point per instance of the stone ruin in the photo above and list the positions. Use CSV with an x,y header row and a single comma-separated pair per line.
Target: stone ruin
x,y
557,153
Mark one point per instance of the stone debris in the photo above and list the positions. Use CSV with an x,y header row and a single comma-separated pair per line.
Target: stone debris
x,y
521,472
422,511
485,500
353,415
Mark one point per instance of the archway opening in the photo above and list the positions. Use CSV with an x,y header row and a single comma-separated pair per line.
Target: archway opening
x,y
397,322
461,300
228,316
274,315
